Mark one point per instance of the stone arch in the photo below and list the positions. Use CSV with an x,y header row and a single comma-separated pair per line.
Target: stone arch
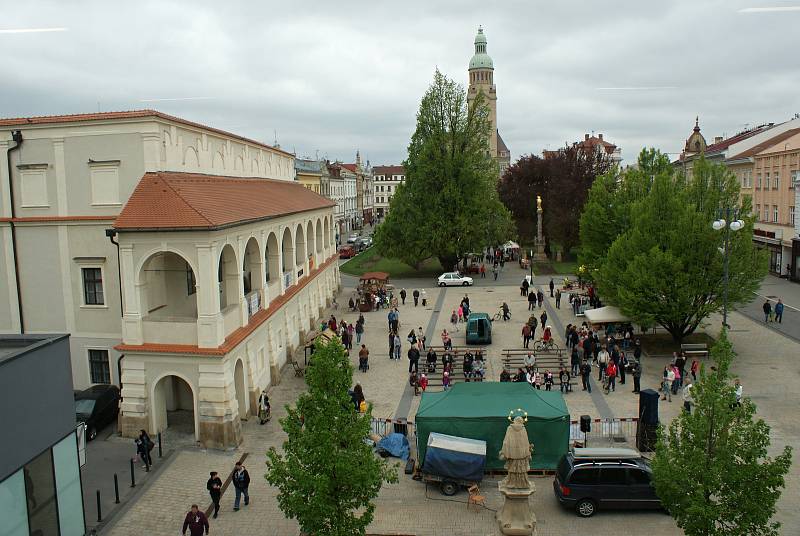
x,y
299,246
219,161
169,395
287,249
240,387
311,246
167,287
327,232
272,256
191,160
238,163
252,266
228,278
254,167
318,240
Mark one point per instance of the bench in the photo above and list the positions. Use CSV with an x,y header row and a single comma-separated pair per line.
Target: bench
x,y
544,358
695,350
457,374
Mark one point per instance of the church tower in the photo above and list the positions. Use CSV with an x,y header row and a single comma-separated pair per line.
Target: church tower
x,y
481,78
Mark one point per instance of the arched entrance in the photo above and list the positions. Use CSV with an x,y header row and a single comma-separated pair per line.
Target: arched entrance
x,y
241,389
173,407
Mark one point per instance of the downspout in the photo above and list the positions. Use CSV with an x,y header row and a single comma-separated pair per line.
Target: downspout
x,y
111,233
17,137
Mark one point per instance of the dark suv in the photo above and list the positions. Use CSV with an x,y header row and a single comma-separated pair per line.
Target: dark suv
x,y
588,479
97,406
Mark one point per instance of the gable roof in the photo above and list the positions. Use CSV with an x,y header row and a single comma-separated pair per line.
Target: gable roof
x,y
736,138
388,170
130,114
501,145
765,144
351,167
193,201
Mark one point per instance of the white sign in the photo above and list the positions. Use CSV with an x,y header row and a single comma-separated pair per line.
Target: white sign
x,y
80,434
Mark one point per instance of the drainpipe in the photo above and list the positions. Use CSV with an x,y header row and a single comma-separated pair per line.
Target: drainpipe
x,y
17,137
111,233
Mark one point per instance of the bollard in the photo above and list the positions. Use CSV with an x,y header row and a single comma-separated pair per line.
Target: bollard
x,y
133,475
116,489
159,444
99,513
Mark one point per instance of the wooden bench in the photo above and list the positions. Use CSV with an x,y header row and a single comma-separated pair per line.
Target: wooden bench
x,y
695,350
544,358
457,373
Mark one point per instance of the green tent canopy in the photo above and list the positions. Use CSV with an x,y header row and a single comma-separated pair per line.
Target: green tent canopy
x,y
480,410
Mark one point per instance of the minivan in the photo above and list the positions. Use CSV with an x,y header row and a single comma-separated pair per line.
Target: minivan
x,y
588,479
97,406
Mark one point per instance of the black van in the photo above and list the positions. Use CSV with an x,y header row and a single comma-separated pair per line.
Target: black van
x,y
588,479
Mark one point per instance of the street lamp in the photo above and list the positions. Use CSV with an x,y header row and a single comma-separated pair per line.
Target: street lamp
x,y
729,223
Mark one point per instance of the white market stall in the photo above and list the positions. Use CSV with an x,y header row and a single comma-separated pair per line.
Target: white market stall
x,y
606,315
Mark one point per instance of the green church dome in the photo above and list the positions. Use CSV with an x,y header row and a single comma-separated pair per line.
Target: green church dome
x,y
481,59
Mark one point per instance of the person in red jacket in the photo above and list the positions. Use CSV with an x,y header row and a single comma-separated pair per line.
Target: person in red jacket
x,y
611,374
196,521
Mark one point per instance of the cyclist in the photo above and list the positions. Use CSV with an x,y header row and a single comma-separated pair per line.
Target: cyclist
x,y
547,336
506,312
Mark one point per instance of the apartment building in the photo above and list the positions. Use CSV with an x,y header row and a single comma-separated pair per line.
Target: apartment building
x,y
386,180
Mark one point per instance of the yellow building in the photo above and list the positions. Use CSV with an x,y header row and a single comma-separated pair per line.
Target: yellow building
x,y
309,174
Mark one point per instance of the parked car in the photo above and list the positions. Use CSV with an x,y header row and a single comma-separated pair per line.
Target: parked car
x,y
352,238
588,479
367,241
97,406
479,329
454,278
346,252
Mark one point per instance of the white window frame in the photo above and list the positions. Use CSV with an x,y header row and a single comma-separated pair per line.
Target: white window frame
x,y
774,213
791,215
101,266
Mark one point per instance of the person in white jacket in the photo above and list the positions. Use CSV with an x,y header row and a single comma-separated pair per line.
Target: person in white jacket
x,y
688,401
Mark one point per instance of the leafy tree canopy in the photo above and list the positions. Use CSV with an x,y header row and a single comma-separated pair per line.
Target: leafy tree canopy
x,y
448,205
327,475
711,468
665,266
562,180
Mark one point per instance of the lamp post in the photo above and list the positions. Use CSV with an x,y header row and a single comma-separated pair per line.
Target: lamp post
x,y
729,223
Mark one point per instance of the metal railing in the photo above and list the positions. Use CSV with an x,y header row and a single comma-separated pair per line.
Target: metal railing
x,y
619,432
382,427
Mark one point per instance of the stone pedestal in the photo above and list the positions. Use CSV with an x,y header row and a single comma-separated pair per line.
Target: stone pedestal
x,y
516,517
539,255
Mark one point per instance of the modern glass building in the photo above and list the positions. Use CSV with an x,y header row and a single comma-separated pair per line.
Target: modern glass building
x,y
40,483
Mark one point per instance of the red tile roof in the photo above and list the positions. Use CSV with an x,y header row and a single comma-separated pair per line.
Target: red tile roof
x,y
131,114
766,144
388,170
351,167
170,200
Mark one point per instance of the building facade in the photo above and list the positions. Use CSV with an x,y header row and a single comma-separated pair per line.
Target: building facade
x,y
386,180
70,178
309,174
40,481
337,195
593,144
481,80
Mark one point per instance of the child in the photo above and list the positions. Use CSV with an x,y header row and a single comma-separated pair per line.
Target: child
x,y
460,314
454,320
548,380
423,382
412,379
446,381
695,369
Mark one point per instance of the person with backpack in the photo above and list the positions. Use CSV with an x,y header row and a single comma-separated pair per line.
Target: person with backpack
x,y
241,483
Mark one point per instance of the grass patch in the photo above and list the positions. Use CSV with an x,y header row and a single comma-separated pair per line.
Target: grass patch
x,y
371,261
661,344
566,267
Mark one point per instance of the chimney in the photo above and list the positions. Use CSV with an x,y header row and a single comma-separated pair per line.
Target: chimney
x,y
586,137
600,136
717,139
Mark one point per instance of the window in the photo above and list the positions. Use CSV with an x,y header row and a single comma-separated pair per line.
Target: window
x,y
99,370
766,180
584,476
776,181
68,486
614,476
758,180
92,286
13,511
41,491
766,213
389,188
104,178
791,215
774,213
637,476
758,212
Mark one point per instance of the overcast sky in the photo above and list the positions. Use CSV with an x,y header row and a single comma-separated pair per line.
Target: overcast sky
x,y
334,77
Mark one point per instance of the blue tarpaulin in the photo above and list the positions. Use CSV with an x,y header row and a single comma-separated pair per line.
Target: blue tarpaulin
x,y
455,457
396,445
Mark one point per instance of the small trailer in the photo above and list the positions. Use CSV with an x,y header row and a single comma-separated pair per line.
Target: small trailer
x,y
453,462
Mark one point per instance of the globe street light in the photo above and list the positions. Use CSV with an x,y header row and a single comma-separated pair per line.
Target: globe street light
x,y
727,225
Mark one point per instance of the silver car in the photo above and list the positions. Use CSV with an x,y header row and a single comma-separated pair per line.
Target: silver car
x,y
454,278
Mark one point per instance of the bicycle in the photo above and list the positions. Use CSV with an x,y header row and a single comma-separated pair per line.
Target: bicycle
x,y
541,345
500,315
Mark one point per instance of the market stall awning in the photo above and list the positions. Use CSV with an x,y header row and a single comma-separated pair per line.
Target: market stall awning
x,y
605,315
378,276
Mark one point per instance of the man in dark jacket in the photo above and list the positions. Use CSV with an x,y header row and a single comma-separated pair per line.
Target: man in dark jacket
x,y
413,359
403,295
552,286
416,297
531,301
637,376
540,298
586,371
196,521
241,481
214,487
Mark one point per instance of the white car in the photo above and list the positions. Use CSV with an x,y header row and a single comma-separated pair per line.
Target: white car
x,y
454,278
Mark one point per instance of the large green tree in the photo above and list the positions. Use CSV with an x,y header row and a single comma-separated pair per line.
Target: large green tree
x,y
327,475
448,205
711,468
665,267
562,180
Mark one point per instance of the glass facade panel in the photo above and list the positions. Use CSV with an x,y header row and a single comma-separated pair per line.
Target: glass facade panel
x,y
41,490
68,484
13,513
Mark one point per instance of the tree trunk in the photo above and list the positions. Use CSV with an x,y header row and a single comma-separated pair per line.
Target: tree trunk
x,y
447,261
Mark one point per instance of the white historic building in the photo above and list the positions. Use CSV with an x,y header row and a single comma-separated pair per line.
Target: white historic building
x,y
224,260
386,179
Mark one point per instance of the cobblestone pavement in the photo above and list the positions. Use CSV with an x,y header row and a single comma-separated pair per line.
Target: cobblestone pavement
x,y
765,364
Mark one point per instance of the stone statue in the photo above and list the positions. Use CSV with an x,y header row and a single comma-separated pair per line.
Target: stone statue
x,y
538,203
517,452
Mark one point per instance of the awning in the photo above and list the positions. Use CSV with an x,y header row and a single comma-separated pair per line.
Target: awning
x,y
605,315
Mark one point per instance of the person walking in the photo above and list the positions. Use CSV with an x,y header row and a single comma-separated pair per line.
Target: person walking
x,y
424,297
495,270
767,307
552,286
396,346
540,298
687,398
241,482
575,361
454,321
779,311
403,295
738,391
611,374
359,331
563,380
666,383
694,369
637,376
586,371
483,271
543,319
264,407
214,487
523,289
526,335
558,298
413,359
196,521
415,294
363,359
603,358
531,301
144,445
